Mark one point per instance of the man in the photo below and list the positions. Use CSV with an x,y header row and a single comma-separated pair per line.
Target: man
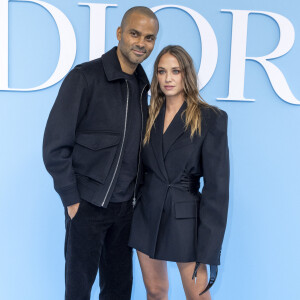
x,y
92,149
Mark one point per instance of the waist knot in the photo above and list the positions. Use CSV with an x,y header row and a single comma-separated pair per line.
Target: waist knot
x,y
190,183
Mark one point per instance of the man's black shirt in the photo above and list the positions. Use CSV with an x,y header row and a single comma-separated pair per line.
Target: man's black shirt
x,y
126,180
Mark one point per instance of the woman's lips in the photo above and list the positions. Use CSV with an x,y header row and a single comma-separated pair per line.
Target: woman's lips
x,y
168,87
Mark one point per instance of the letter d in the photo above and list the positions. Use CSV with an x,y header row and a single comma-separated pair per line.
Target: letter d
x,y
67,46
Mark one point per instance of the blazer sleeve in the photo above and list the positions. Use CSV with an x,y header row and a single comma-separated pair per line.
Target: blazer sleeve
x,y
59,136
215,192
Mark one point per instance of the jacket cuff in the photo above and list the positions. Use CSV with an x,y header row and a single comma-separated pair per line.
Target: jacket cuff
x,y
69,195
209,259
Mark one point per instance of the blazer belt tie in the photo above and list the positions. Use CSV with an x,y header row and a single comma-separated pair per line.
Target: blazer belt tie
x,y
191,183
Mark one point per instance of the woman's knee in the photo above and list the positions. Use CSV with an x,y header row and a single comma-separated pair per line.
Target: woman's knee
x,y
157,291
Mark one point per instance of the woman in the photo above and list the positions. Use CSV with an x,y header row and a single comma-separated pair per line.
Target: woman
x,y
185,139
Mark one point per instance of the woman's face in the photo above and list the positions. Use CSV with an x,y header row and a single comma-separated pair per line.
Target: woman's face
x,y
169,75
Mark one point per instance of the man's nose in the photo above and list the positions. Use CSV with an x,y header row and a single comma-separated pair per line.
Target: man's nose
x,y
140,43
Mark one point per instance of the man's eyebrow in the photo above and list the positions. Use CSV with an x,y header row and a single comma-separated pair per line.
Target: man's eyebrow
x,y
139,33
132,29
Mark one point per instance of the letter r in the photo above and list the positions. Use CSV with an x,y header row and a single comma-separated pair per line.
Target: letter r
x,y
238,56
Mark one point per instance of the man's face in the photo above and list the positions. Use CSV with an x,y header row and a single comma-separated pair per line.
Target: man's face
x,y
137,38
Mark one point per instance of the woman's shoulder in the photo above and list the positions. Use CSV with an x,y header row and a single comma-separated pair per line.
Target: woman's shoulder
x,y
212,112
214,117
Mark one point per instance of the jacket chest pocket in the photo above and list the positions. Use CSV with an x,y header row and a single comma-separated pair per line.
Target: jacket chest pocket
x,y
94,153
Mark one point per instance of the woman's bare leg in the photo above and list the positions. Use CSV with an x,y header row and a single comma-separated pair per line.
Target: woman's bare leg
x,y
155,276
192,289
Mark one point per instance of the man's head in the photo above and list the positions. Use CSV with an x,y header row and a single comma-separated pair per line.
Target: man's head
x,y
136,36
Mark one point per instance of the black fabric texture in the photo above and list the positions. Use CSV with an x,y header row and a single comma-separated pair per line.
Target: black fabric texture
x,y
97,239
126,180
172,220
82,144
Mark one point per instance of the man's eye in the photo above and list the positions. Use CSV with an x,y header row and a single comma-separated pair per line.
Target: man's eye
x,y
133,33
150,38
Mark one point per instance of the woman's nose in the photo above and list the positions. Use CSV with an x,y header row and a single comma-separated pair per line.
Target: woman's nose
x,y
168,77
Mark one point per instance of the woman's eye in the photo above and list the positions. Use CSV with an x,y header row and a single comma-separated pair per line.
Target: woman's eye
x,y
161,72
176,71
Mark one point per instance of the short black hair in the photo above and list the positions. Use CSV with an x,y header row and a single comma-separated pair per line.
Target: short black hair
x,y
141,10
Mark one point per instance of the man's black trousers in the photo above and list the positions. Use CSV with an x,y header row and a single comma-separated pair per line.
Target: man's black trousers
x,y
97,239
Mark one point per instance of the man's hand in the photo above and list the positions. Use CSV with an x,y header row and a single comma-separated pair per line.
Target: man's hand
x,y
72,210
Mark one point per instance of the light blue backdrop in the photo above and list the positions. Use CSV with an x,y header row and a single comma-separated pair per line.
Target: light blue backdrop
x,y
260,257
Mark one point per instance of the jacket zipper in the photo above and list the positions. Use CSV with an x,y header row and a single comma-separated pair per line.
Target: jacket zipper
x,y
125,126
141,136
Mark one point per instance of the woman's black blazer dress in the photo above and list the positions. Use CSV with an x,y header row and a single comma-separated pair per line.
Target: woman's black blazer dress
x,y
172,220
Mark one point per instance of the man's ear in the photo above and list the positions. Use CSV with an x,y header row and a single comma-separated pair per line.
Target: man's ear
x,y
119,33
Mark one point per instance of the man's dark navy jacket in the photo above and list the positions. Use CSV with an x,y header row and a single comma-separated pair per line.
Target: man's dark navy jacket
x,y
84,136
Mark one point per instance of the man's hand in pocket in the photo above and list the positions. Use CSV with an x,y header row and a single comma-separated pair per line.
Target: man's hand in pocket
x,y
72,210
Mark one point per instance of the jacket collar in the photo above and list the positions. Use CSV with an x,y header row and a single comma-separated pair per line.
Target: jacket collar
x,y
175,129
173,132
112,67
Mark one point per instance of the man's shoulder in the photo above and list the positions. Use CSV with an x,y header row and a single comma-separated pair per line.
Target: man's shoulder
x,y
90,68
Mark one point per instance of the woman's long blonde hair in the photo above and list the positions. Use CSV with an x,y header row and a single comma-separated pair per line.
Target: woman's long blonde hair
x,y
191,93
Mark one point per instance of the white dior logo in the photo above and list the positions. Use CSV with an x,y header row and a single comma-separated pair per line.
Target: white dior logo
x,y
208,40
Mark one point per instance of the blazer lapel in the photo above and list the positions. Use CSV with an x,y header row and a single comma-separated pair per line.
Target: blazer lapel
x,y
175,129
156,140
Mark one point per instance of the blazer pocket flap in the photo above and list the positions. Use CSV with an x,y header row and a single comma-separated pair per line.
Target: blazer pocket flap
x,y
97,140
185,210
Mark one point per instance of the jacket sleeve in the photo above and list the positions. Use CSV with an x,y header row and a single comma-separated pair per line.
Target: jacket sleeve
x,y
59,136
215,192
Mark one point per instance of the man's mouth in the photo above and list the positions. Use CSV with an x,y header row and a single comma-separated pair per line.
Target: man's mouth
x,y
138,52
